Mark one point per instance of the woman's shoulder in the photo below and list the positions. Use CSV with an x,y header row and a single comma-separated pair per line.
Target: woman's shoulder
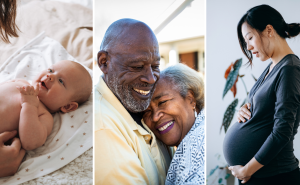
x,y
291,60
190,154
199,121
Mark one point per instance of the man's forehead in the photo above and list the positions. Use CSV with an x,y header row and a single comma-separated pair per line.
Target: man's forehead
x,y
137,55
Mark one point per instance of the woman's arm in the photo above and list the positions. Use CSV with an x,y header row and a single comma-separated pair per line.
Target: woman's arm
x,y
244,173
286,106
287,89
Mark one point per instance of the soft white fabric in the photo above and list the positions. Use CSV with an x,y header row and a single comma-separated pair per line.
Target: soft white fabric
x,y
77,172
72,132
86,3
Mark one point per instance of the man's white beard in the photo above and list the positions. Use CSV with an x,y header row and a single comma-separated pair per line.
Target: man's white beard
x,y
124,94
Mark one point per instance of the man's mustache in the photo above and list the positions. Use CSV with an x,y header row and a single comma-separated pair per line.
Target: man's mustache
x,y
137,85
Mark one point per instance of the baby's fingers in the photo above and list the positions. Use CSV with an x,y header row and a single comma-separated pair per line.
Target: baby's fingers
x,y
37,89
21,89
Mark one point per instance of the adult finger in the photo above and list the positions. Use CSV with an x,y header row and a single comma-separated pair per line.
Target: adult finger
x,y
244,115
246,179
248,105
16,143
240,117
246,110
5,136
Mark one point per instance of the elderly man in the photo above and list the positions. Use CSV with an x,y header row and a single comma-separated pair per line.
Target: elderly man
x,y
126,151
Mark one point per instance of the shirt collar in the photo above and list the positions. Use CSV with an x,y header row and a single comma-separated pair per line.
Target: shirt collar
x,y
109,96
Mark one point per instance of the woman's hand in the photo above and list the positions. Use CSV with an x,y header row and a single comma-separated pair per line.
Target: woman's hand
x,y
239,172
244,113
11,155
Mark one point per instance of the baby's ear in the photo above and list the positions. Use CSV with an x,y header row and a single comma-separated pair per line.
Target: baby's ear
x,y
70,107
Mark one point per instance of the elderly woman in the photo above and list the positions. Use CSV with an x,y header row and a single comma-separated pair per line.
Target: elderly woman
x,y
176,117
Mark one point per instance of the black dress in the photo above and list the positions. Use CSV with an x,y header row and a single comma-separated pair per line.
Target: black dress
x,y
268,135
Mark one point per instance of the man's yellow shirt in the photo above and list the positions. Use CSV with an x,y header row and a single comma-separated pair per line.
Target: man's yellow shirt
x,y
123,152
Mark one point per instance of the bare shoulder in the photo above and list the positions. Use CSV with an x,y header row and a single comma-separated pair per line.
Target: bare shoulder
x,y
21,80
18,80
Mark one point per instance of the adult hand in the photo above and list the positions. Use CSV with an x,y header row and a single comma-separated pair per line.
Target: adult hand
x,y
239,172
244,113
11,155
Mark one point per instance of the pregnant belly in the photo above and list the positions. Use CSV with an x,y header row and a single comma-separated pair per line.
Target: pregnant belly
x,y
242,142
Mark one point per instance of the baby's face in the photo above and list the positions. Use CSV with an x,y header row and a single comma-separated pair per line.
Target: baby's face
x,y
58,84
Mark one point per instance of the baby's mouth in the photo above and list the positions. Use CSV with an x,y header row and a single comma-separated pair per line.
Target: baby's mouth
x,y
44,85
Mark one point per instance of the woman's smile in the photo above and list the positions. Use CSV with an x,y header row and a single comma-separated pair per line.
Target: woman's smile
x,y
165,127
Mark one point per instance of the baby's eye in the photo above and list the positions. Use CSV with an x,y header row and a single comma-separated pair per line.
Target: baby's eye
x,y
50,70
251,38
60,80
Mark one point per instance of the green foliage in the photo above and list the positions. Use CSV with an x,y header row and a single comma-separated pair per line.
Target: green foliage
x,y
227,175
228,115
220,180
232,76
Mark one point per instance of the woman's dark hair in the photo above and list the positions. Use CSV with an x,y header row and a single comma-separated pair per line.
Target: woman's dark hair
x,y
258,18
8,12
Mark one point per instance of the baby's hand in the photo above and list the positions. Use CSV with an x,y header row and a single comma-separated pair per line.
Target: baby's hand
x,y
29,94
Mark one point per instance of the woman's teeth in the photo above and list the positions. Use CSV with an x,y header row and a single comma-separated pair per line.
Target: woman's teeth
x,y
141,91
165,126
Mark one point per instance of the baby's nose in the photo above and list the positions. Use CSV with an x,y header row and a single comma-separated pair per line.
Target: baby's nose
x,y
50,77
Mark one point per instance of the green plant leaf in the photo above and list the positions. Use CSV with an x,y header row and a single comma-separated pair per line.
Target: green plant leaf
x,y
232,76
228,115
227,176
254,77
213,170
220,180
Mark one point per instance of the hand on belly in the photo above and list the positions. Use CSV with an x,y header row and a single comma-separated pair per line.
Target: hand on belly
x,y
244,112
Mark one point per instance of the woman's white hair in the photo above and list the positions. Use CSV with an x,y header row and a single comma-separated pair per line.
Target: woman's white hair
x,y
184,79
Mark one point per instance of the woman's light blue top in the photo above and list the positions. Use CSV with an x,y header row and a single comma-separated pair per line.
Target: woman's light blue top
x,y
187,166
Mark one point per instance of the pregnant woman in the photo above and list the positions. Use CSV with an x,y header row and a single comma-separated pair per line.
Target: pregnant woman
x,y
259,148
176,117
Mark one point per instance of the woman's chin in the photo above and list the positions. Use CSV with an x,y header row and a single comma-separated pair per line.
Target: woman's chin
x,y
171,140
262,58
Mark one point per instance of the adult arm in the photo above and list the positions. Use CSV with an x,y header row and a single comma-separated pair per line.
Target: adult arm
x,y
11,155
286,106
33,128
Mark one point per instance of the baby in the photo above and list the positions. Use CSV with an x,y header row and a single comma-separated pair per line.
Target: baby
x,y
27,108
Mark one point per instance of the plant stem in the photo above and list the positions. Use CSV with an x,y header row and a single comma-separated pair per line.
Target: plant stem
x,y
244,85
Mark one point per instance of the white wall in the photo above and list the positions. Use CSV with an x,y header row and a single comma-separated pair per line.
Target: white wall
x,y
222,47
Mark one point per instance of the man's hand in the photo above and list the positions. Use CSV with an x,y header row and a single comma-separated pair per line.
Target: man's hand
x,y
29,94
12,155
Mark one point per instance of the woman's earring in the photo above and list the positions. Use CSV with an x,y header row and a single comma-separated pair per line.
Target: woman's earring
x,y
195,112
